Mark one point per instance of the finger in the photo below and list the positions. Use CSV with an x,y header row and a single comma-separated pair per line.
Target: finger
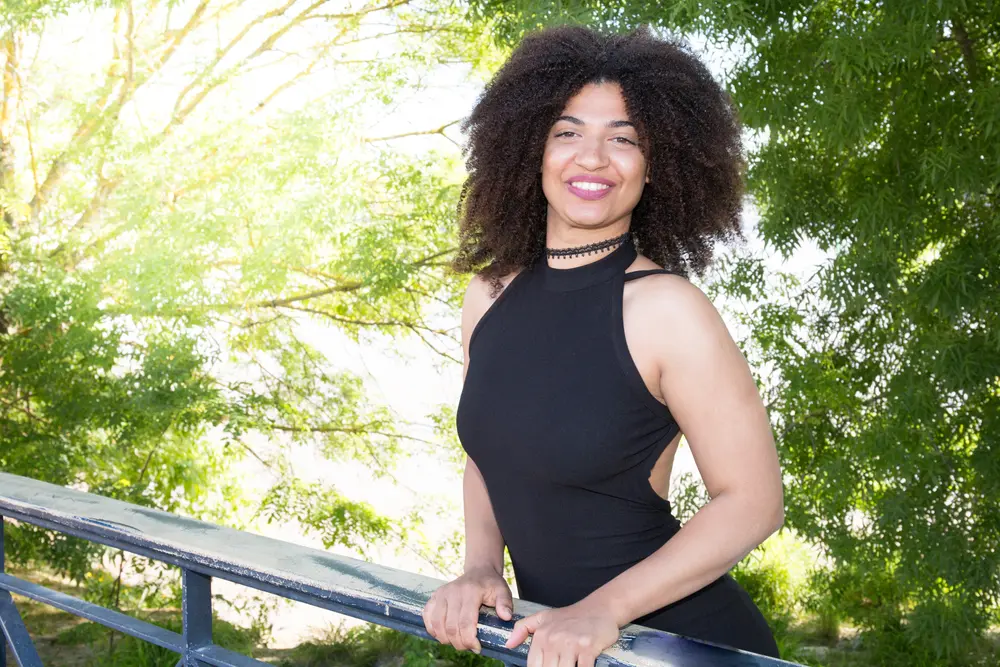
x,y
468,624
536,655
505,603
519,633
440,615
530,625
565,658
452,625
586,659
429,616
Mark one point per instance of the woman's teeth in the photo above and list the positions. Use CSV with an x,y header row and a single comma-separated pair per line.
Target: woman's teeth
x,y
583,185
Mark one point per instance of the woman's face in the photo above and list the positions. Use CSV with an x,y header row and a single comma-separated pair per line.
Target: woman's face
x,y
593,171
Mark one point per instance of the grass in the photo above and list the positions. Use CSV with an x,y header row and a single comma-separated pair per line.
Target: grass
x,y
376,646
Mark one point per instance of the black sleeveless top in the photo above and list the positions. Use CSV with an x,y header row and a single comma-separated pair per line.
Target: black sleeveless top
x,y
562,427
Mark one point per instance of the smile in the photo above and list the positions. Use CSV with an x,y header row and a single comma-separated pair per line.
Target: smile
x,y
587,190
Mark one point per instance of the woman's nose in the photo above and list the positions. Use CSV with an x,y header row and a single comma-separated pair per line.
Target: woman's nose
x,y
591,154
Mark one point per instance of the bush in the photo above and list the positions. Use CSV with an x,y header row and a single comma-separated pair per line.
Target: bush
x,y
371,645
132,652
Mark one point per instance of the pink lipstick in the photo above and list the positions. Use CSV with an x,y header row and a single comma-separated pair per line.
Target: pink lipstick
x,y
589,187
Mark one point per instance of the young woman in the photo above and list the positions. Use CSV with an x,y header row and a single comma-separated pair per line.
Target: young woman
x,y
585,360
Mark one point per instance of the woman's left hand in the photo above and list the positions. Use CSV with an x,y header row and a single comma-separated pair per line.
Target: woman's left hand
x,y
566,636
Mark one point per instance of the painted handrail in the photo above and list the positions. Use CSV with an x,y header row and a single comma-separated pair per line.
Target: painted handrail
x,y
356,588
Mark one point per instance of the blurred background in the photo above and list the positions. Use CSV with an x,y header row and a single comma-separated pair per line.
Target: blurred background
x,y
224,292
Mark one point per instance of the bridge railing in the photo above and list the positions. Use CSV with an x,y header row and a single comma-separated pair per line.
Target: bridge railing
x,y
204,551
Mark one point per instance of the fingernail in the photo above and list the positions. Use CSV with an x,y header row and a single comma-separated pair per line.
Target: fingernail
x,y
476,650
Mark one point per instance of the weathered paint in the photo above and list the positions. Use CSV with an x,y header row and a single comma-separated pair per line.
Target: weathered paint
x,y
13,628
196,614
123,623
368,591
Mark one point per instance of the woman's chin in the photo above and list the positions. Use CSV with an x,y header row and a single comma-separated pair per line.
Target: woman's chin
x,y
588,217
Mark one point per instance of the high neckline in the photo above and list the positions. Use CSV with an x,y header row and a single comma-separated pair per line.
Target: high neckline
x,y
594,272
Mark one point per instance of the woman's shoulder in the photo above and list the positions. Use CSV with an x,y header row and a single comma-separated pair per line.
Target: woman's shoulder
x,y
481,290
480,295
663,294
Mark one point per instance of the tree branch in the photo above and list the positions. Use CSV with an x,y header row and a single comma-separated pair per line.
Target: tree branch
x,y
26,411
181,111
221,53
347,320
30,136
439,130
277,303
8,112
428,260
965,44
362,12
304,73
109,113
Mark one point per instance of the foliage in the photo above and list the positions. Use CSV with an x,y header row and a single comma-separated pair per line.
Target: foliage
x,y
875,130
188,188
126,651
775,575
338,521
16,14
371,645
687,495
768,582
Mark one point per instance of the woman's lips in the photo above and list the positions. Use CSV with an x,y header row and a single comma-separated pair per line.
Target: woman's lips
x,y
589,194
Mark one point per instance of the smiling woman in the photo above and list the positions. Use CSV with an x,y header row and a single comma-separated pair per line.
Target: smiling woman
x,y
649,99
592,155
585,377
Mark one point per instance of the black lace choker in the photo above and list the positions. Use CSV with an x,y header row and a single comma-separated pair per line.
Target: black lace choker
x,y
586,249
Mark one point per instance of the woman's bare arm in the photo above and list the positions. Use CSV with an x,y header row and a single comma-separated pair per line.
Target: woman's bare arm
x,y
705,380
484,544
452,612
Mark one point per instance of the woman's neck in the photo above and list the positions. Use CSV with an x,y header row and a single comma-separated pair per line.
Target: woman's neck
x,y
578,239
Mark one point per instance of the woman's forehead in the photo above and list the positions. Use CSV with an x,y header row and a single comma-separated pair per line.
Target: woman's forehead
x,y
598,103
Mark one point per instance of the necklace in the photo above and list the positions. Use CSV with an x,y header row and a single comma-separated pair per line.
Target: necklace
x,y
586,249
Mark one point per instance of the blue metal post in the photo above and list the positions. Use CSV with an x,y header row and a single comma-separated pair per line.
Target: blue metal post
x,y
3,640
196,614
12,626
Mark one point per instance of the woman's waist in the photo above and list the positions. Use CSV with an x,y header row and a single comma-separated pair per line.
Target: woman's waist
x,y
560,588
582,524
719,594
587,558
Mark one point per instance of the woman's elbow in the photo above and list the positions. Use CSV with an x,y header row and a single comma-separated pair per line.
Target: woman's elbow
x,y
778,519
777,509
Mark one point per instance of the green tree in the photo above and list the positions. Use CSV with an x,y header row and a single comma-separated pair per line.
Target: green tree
x,y
184,186
876,130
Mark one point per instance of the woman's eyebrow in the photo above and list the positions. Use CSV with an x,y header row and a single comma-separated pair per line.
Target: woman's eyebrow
x,y
611,123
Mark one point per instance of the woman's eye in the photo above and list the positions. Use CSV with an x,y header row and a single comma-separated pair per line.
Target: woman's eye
x,y
565,133
627,141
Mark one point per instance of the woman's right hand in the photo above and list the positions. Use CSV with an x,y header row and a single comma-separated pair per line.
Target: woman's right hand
x,y
451,615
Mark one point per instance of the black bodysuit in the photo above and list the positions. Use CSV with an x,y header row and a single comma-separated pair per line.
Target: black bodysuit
x,y
557,418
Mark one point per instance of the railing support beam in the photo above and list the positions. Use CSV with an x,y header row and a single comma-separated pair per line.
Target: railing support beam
x,y
13,628
196,615
3,638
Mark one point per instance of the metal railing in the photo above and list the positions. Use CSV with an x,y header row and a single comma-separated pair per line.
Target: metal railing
x,y
204,551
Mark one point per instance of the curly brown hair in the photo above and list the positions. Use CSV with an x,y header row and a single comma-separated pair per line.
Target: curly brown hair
x,y
688,130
